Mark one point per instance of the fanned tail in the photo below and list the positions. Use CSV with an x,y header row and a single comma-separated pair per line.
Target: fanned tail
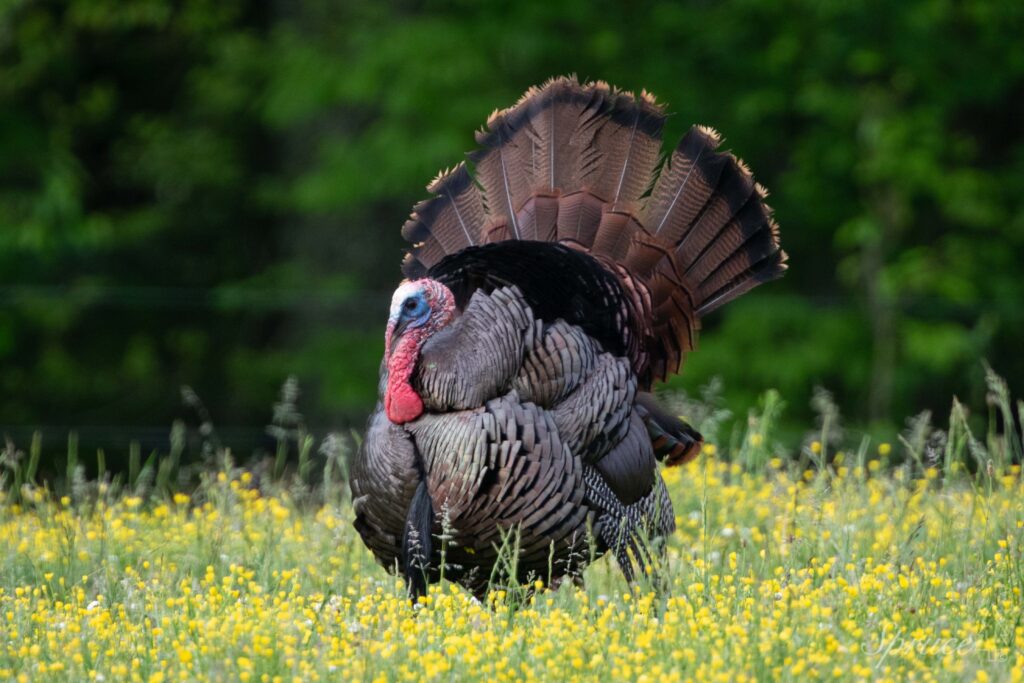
x,y
709,238
568,162
578,164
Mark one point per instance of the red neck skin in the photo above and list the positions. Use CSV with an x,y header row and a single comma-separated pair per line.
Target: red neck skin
x,y
401,402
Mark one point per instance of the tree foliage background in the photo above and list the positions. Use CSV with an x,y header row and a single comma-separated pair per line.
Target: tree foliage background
x,y
209,193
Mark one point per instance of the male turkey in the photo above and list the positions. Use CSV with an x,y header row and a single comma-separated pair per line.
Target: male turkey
x,y
551,282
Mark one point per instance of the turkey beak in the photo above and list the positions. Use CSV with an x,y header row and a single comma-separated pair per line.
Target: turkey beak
x,y
396,333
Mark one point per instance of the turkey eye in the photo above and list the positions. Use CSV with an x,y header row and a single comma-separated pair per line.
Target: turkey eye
x,y
410,304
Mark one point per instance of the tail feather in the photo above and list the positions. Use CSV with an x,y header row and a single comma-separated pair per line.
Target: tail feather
x,y
685,184
674,441
614,234
715,247
555,113
628,144
448,222
538,219
763,262
499,167
579,214
645,252
733,190
455,216
578,163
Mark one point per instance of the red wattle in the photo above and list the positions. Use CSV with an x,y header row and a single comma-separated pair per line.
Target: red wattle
x,y
401,402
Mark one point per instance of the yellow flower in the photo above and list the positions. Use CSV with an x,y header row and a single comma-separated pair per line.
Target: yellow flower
x,y
777,571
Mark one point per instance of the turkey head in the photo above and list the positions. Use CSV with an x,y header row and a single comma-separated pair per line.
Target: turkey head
x,y
419,308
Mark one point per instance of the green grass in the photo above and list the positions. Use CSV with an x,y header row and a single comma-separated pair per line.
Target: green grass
x,y
839,560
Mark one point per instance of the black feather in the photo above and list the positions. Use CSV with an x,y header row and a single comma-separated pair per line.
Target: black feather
x,y
557,281
417,543
673,439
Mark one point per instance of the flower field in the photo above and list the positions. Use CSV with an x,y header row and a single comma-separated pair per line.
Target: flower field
x,y
851,572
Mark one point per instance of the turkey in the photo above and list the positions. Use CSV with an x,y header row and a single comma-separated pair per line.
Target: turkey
x,y
551,281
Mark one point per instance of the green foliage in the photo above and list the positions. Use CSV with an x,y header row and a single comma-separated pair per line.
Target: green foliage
x,y
209,193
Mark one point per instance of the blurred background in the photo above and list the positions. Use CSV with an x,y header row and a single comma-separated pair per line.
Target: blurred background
x,y
209,193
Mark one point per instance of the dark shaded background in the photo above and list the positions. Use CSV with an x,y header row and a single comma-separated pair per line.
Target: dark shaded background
x,y
210,193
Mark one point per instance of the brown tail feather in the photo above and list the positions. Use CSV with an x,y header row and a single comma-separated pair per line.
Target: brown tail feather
x,y
451,221
733,190
764,261
579,214
716,246
614,234
628,144
556,112
685,184
498,169
538,218
571,163
725,242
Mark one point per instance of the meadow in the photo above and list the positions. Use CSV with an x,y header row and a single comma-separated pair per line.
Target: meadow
x,y
883,561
